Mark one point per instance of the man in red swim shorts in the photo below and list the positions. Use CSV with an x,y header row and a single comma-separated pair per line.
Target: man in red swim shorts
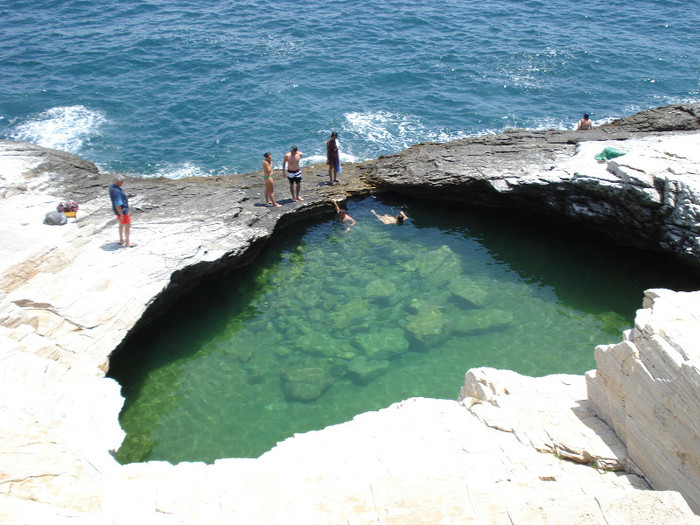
x,y
120,206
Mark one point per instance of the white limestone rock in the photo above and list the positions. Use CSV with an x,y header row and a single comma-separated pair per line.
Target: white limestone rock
x,y
549,413
70,295
647,388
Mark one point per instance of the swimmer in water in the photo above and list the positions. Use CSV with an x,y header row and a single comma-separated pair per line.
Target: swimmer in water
x,y
343,215
389,219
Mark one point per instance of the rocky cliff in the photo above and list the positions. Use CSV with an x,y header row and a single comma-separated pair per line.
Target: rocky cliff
x,y
645,198
517,450
647,388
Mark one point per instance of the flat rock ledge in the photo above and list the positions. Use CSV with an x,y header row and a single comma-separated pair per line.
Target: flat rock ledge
x,y
619,445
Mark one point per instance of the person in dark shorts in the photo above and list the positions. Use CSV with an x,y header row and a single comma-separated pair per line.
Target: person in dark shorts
x,y
290,166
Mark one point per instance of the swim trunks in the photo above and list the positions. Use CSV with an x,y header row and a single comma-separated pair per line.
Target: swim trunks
x,y
119,198
125,220
294,176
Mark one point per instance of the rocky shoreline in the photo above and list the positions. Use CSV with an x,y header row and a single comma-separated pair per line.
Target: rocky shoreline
x,y
513,448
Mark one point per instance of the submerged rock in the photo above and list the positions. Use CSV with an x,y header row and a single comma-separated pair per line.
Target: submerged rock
x,y
241,345
472,291
349,313
363,370
384,344
437,266
473,321
428,324
305,383
316,343
380,289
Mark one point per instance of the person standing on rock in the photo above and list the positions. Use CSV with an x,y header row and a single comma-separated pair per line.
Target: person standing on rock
x,y
290,166
120,207
333,158
269,183
585,123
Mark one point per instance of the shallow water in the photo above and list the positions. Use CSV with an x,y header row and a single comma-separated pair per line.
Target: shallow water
x,y
362,318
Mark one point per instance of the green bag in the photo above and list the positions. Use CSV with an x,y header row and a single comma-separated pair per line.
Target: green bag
x,y
609,153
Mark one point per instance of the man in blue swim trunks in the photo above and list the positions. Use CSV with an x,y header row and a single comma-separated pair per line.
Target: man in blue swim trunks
x,y
290,166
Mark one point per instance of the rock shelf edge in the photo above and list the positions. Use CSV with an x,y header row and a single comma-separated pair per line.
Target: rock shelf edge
x,y
512,449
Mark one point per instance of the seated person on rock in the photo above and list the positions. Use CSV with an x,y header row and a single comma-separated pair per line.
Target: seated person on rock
x,y
585,123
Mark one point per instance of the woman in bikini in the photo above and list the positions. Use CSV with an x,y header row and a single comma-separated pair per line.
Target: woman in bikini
x,y
269,183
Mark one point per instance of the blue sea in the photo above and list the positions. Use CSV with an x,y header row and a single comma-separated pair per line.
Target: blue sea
x,y
180,88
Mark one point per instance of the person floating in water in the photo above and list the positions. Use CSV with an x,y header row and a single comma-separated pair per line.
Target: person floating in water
x,y
585,123
389,219
333,158
269,182
290,164
343,215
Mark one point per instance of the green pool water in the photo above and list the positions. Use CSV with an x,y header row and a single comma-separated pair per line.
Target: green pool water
x,y
329,323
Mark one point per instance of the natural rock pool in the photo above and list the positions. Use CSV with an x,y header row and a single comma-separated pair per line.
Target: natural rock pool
x,y
329,323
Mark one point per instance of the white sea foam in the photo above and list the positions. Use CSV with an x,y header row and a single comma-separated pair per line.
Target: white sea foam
x,y
179,171
66,128
313,159
386,131
321,159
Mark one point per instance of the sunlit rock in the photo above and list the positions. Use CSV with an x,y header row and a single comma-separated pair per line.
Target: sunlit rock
x,y
647,388
420,460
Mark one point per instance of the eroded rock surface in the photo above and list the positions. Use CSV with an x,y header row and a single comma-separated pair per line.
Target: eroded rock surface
x,y
647,388
646,198
522,452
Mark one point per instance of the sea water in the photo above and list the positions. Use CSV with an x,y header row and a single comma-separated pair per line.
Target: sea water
x,y
180,87
330,322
